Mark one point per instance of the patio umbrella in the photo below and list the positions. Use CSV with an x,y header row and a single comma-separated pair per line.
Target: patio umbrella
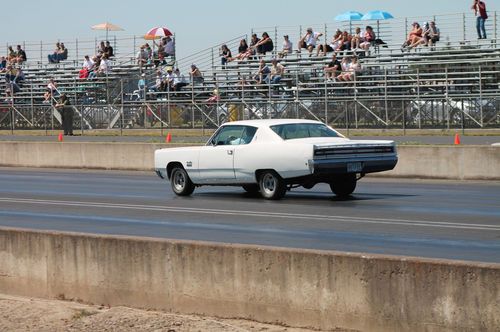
x,y
156,33
377,15
107,26
349,16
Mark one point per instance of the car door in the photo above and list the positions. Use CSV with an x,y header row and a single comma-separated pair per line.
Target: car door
x,y
216,159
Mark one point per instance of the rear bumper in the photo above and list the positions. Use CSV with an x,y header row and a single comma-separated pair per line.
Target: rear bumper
x,y
340,166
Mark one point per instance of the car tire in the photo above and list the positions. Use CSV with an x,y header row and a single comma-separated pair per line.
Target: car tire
x,y
344,186
251,188
271,185
180,182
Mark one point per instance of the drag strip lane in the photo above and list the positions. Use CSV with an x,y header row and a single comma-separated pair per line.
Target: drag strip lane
x,y
262,214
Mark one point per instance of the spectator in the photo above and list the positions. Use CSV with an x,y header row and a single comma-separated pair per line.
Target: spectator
x,y
158,86
433,34
225,54
346,42
414,37
254,40
141,86
101,49
242,50
179,80
356,38
344,66
353,68
262,73
479,8
12,86
104,66
97,62
287,47
308,41
277,72
169,48
53,57
142,57
264,45
108,50
20,55
19,79
64,107
196,76
332,69
334,44
87,67
367,38
168,80
62,54
51,91
3,64
11,55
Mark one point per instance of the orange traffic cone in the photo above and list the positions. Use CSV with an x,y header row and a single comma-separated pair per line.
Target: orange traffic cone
x,y
60,137
168,139
457,139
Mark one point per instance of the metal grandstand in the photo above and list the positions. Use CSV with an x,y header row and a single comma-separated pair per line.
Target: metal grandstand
x,y
454,85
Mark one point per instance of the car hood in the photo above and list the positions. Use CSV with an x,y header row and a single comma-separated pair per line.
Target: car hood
x,y
328,141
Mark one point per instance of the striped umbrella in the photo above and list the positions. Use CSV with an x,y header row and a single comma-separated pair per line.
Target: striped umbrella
x,y
156,33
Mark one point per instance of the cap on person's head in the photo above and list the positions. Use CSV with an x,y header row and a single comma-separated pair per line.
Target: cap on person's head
x,y
309,29
169,68
193,65
285,36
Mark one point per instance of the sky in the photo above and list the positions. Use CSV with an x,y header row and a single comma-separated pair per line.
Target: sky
x,y
197,24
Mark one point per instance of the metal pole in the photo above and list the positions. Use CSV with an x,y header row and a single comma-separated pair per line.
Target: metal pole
x,y
447,101
32,105
464,29
41,52
462,118
385,96
404,116
275,40
121,110
418,99
346,118
481,96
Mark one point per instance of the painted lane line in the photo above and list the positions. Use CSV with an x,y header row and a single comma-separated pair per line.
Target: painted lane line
x,y
404,222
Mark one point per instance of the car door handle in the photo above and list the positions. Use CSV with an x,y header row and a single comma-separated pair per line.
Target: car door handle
x,y
230,152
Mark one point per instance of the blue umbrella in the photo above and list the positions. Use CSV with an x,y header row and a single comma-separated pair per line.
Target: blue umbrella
x,y
349,16
377,15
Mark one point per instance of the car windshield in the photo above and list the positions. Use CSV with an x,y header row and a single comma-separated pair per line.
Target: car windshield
x,y
303,130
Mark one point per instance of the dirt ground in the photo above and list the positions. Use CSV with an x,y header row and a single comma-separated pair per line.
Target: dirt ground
x,y
29,314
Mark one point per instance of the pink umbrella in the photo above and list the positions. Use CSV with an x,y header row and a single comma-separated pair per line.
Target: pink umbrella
x,y
156,33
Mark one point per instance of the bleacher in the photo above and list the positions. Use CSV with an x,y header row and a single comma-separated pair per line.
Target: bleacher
x,y
454,84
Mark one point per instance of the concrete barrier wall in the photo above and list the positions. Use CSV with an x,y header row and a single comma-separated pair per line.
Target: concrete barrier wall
x,y
445,162
315,289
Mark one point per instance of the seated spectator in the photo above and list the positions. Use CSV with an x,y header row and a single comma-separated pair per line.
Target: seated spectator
x,y
277,72
431,35
97,62
62,54
367,38
87,67
141,86
196,76
414,37
225,54
158,86
3,64
11,81
352,69
214,98
104,66
20,55
264,45
11,55
356,38
332,69
345,43
242,51
51,91
262,73
334,44
308,41
169,47
179,80
108,50
344,67
101,48
252,50
53,57
19,79
168,80
287,47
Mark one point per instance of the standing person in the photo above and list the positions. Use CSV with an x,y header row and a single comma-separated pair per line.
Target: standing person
x,y
479,8
66,111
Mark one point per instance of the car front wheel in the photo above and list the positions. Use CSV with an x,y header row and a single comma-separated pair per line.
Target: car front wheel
x,y
344,186
272,185
180,182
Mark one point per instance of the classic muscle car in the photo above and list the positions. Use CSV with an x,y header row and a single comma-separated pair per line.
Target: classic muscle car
x,y
273,156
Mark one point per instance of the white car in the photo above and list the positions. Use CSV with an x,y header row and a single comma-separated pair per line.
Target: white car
x,y
273,156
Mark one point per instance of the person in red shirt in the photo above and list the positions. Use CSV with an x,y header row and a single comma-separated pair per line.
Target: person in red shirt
x,y
479,9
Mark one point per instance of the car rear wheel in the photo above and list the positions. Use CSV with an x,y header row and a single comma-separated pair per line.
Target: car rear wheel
x,y
251,188
180,182
271,185
344,186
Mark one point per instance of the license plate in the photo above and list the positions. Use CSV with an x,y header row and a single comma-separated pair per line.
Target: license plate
x,y
354,167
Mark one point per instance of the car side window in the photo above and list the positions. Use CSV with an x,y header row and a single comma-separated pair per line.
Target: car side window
x,y
227,135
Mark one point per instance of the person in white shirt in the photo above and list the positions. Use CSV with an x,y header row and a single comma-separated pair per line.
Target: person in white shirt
x,y
308,41
104,66
287,47
179,80
88,63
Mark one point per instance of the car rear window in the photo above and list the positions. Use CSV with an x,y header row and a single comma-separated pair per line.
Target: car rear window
x,y
303,130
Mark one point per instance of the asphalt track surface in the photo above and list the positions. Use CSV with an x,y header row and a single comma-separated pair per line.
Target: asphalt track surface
x,y
410,139
423,218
